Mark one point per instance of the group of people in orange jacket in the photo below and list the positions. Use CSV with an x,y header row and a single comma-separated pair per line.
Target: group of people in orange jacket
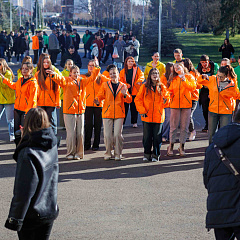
x,y
105,98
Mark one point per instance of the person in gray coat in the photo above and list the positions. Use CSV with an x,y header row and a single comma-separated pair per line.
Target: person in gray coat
x,y
120,45
53,46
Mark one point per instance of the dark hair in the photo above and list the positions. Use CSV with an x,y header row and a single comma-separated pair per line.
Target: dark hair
x,y
35,120
110,66
168,69
42,75
189,65
74,67
149,82
126,66
228,71
177,50
204,57
226,39
71,47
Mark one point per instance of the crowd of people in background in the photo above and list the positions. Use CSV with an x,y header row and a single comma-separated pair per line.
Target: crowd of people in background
x,y
165,96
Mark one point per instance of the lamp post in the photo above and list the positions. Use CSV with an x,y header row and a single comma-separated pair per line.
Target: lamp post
x,y
142,22
160,28
10,15
131,13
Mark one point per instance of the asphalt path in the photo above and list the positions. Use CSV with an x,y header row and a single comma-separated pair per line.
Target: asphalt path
x,y
121,200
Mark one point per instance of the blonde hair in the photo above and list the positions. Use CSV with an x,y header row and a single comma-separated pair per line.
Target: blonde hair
x,y
5,67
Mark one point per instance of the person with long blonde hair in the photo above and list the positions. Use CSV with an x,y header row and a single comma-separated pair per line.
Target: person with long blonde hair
x,y
7,97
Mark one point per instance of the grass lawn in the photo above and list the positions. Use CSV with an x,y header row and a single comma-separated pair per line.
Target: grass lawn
x,y
194,45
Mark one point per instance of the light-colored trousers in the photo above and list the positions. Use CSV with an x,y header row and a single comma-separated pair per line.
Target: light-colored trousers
x,y
182,116
75,134
113,139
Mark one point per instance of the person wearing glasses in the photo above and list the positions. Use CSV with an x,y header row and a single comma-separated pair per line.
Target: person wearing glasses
x,y
221,91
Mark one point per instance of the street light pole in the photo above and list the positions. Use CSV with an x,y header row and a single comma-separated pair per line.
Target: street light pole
x,y
10,15
143,22
113,15
160,28
131,13
36,15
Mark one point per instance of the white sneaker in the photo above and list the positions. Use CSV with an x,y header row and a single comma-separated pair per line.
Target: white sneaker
x,y
192,135
77,157
12,138
107,158
135,125
70,157
145,159
154,160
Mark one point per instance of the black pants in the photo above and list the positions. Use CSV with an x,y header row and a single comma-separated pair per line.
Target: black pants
x,y
90,114
108,52
134,112
39,232
9,55
53,55
204,101
152,137
35,59
18,120
227,233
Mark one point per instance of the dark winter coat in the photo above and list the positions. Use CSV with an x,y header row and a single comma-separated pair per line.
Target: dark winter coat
x,y
75,57
62,41
109,44
19,44
35,187
90,41
9,43
223,202
227,51
3,40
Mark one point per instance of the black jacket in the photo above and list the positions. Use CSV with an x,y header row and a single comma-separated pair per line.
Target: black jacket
x,y
227,50
3,40
223,202
75,57
9,43
35,187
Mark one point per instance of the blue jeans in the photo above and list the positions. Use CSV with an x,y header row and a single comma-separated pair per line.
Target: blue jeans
x,y
9,109
52,115
166,124
152,136
213,120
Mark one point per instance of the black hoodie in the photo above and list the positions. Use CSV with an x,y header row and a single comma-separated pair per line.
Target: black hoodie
x,y
35,187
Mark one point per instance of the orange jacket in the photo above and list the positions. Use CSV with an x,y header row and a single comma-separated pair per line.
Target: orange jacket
x,y
106,74
163,80
35,43
113,107
48,97
151,103
137,79
92,91
220,101
181,91
74,91
195,94
26,94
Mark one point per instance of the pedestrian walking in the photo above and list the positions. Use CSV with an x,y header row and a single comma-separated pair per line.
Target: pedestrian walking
x,y
222,183
26,96
109,47
136,46
100,46
73,55
53,46
114,93
221,91
226,49
133,77
85,38
119,44
35,47
150,105
7,97
45,39
181,88
9,47
3,41
34,204
41,43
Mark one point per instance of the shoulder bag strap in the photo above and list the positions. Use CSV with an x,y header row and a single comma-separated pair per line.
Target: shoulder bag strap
x,y
227,162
